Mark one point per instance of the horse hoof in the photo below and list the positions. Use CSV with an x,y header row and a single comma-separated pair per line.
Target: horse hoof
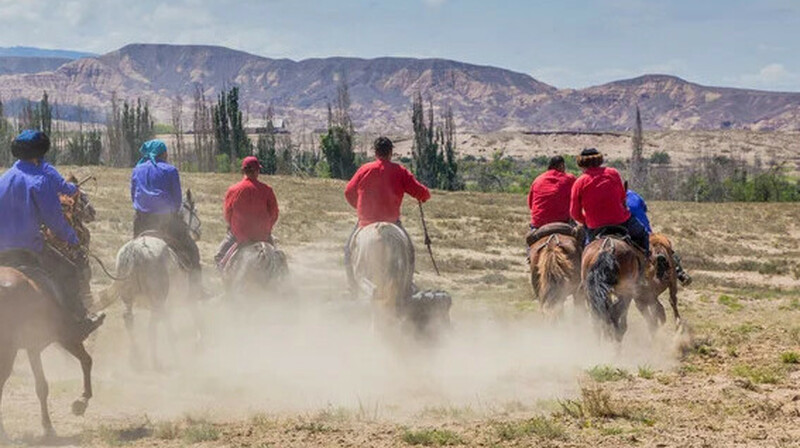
x,y
79,407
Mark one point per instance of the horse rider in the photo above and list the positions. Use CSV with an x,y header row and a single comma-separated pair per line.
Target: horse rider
x,y
157,199
376,191
638,209
549,196
251,210
598,200
29,198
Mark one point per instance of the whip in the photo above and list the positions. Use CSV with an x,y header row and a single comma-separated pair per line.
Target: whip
x,y
427,237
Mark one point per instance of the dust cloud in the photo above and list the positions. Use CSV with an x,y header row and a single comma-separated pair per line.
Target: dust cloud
x,y
312,349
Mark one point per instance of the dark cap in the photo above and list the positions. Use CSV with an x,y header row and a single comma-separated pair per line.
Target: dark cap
x,y
30,144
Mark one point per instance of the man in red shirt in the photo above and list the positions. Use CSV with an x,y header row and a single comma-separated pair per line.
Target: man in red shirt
x,y
549,196
598,200
376,191
251,209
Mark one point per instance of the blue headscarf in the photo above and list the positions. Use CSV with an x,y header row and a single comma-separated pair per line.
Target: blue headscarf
x,y
151,149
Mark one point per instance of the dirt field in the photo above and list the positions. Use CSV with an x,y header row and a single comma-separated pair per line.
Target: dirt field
x,y
307,371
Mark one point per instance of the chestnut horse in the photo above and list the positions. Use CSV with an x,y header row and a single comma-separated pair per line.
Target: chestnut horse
x,y
612,268
555,266
663,278
31,319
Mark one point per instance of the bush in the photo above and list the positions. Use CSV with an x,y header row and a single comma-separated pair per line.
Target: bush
x,y
660,158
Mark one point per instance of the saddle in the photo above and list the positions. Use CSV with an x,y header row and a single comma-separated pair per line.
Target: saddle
x,y
29,264
184,260
223,264
619,233
555,228
231,253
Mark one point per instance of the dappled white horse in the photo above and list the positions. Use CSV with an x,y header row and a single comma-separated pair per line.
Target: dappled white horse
x,y
255,269
148,268
383,267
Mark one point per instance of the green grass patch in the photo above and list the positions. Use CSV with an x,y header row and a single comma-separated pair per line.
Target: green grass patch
x,y
431,437
646,372
604,374
167,431
790,358
730,302
542,427
759,374
115,436
197,431
597,403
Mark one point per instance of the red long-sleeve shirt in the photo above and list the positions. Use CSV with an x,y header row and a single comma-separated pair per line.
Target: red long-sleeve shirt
x,y
376,191
251,210
598,198
549,197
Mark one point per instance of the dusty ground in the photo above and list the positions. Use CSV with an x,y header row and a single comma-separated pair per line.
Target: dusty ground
x,y
308,372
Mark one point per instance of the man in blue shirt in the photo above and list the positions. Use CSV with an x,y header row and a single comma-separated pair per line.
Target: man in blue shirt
x,y
29,199
638,209
157,200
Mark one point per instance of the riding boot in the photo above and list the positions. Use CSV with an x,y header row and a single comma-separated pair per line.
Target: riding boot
x,y
87,322
224,247
683,276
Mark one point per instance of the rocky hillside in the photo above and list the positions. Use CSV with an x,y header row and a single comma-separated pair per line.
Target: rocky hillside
x,y
12,65
483,98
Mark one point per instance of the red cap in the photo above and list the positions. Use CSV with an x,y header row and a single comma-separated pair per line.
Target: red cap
x,y
250,162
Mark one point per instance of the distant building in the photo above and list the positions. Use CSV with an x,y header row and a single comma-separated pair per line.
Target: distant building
x,y
259,126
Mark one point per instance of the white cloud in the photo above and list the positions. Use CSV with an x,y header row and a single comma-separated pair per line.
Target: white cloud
x,y
772,76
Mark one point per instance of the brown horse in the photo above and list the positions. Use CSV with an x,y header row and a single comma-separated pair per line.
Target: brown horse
x,y
555,266
612,267
662,278
31,319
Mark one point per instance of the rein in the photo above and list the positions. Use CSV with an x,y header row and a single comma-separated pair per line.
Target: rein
x,y
546,243
105,270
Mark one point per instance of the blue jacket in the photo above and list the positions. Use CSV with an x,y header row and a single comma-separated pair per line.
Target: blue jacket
x,y
28,200
638,209
156,188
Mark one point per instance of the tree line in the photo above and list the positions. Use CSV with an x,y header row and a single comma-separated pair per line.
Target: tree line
x,y
219,141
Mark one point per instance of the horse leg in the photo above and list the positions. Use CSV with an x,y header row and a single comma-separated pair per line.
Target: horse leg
x,y
79,352
619,316
645,305
42,390
136,353
673,301
7,355
155,318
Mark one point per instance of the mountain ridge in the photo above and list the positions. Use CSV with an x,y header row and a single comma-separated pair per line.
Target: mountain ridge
x,y
483,98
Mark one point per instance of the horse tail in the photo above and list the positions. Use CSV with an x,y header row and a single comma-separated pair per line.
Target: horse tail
x,y
602,276
399,268
554,266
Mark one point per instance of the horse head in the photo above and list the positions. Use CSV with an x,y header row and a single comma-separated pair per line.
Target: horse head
x,y
189,216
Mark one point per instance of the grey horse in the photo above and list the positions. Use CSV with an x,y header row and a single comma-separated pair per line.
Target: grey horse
x,y
148,268
256,268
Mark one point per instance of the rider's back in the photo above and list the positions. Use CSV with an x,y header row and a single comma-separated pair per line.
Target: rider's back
x,y
251,209
156,188
600,193
377,189
29,198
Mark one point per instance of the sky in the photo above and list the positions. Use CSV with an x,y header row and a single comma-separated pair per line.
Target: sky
x,y
565,43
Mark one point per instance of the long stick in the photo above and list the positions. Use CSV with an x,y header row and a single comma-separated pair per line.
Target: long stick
x,y
427,238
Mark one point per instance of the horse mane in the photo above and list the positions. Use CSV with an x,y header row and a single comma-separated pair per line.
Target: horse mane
x,y
659,239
